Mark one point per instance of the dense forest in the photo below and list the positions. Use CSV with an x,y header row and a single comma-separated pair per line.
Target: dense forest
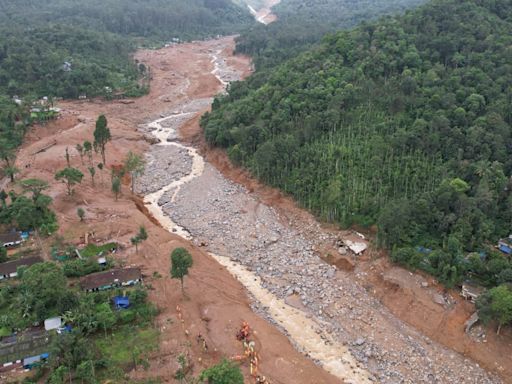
x,y
301,24
403,123
65,48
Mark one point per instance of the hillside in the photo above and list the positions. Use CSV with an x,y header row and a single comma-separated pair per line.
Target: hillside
x,y
96,38
404,123
301,24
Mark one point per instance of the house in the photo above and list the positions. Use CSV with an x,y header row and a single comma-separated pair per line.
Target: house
x,y
9,269
505,245
471,291
110,279
24,350
11,239
121,302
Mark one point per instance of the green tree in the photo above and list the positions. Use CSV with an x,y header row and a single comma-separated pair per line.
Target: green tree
x,y
92,172
225,372
81,213
181,261
85,372
87,149
70,176
105,316
116,186
134,164
496,304
11,171
141,236
3,255
8,155
102,135
34,186
46,287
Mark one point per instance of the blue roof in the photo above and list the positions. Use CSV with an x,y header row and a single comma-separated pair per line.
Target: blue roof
x,y
121,301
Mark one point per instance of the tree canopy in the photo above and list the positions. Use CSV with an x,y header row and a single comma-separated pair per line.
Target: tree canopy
x,y
181,261
404,123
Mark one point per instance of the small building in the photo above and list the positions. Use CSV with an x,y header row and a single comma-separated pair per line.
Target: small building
x,y
9,269
471,291
121,302
505,245
111,279
53,323
26,349
11,239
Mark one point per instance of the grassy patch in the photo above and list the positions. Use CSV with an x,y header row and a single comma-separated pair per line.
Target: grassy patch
x,y
94,250
128,344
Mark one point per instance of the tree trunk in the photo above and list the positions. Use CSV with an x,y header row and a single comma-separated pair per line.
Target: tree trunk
x,y
499,329
103,154
182,287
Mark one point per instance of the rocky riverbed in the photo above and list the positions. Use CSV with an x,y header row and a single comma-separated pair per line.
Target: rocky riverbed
x,y
228,220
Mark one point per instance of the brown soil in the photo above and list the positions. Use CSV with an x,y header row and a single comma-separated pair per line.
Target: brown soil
x,y
215,303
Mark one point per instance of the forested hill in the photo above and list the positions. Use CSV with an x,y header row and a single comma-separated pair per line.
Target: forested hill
x,y
155,19
303,23
404,123
96,37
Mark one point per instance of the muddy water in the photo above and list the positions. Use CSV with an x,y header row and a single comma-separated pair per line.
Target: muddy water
x,y
303,331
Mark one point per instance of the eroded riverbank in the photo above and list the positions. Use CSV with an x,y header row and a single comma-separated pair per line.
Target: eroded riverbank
x,y
259,245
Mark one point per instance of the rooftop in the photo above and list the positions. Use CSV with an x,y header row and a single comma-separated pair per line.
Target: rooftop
x,y
101,279
12,266
10,237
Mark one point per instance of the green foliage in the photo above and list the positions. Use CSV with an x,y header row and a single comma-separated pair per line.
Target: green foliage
x,y
26,214
3,255
35,186
404,123
92,250
225,372
80,267
70,176
181,261
496,304
134,164
302,24
141,236
96,38
128,344
81,213
101,135
43,290
116,186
